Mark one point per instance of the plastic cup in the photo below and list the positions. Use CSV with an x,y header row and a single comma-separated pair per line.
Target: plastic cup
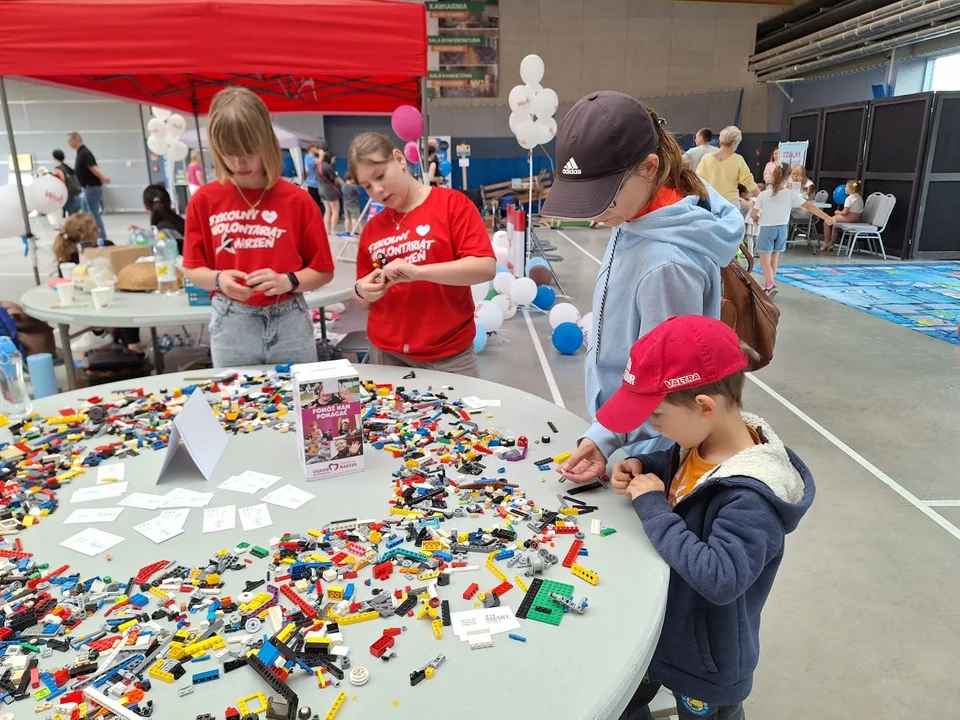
x,y
102,296
66,270
65,291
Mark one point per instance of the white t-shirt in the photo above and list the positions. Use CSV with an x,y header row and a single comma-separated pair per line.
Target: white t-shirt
x,y
775,209
854,204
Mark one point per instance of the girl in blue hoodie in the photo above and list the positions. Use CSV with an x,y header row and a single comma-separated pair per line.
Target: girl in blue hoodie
x,y
671,234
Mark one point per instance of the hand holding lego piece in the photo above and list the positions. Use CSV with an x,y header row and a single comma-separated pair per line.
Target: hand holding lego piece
x,y
398,271
623,473
374,286
271,283
643,484
231,285
586,463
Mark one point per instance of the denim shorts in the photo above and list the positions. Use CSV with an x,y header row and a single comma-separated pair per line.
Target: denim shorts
x,y
251,335
772,238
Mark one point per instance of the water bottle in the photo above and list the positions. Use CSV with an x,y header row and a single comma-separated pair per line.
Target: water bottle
x,y
14,399
165,261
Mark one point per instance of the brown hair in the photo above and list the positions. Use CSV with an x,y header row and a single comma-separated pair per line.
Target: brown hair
x,y
372,148
729,387
779,175
77,229
857,185
673,172
238,125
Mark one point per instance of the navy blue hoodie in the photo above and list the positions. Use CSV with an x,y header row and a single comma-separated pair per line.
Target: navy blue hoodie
x,y
723,542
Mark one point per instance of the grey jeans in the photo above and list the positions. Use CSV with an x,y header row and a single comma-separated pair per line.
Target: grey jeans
x,y
463,364
250,335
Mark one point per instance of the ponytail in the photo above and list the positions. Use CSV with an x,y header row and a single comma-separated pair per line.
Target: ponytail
x,y
157,200
672,172
778,176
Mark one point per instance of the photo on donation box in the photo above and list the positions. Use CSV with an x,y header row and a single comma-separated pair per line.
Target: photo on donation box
x,y
332,426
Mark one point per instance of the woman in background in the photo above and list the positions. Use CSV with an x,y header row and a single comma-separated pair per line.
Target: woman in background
x,y
771,165
194,172
330,193
157,202
724,170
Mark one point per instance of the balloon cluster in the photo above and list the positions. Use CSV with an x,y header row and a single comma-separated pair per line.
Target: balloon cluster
x,y
47,195
498,301
532,106
165,129
407,124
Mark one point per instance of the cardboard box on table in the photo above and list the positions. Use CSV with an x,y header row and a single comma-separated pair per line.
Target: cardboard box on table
x,y
119,255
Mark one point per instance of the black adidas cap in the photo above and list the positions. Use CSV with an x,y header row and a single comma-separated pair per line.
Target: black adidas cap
x,y
599,140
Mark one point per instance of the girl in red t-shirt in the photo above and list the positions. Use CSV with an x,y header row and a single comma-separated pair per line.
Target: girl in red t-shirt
x,y
416,262
255,240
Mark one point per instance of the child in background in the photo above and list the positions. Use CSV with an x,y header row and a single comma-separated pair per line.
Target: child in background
x,y
716,506
749,226
417,260
78,232
851,212
801,183
772,213
351,205
256,243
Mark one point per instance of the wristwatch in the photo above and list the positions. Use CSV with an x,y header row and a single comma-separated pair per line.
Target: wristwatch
x,y
294,281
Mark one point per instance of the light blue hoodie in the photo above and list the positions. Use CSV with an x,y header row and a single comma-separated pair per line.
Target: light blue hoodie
x,y
665,263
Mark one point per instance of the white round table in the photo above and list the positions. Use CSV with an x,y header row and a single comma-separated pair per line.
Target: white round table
x,y
152,310
587,667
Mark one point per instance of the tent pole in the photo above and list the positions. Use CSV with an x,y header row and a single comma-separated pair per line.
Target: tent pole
x,y
196,120
28,234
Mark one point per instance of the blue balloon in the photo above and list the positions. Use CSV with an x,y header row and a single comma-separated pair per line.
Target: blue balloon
x,y
567,338
480,339
545,297
535,262
445,167
840,194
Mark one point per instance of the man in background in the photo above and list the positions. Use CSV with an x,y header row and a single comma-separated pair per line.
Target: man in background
x,y
69,177
92,180
701,147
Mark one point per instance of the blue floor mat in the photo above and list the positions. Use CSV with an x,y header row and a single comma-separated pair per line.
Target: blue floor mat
x,y
920,296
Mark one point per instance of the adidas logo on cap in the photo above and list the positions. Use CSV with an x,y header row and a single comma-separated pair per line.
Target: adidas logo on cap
x,y
571,168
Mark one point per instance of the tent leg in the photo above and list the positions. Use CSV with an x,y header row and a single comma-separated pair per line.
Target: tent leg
x,y
28,234
196,120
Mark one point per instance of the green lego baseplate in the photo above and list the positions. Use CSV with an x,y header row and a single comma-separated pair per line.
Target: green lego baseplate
x,y
538,596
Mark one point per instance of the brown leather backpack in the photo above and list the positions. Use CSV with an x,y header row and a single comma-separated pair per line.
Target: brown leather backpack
x,y
748,309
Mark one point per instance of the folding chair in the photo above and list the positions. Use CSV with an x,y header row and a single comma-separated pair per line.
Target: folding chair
x,y
870,227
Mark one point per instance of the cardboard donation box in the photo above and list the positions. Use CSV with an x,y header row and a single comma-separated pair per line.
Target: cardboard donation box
x,y
326,397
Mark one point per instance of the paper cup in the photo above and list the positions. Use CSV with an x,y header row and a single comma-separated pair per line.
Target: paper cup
x,y
102,297
65,292
66,270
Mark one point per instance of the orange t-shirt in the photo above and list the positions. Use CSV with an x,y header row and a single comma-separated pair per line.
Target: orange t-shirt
x,y
692,469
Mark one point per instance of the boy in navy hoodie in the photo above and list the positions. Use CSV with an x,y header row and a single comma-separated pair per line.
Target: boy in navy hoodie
x,y
716,506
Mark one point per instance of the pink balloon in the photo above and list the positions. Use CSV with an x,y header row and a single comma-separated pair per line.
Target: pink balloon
x,y
407,122
411,152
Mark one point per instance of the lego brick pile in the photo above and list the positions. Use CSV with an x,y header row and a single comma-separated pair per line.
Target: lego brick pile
x,y
82,647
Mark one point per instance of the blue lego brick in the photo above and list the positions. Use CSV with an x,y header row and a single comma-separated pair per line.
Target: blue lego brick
x,y
504,554
443,555
206,676
201,658
348,591
139,600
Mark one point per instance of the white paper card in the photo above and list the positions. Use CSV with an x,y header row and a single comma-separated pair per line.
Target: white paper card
x,y
110,473
493,620
472,402
157,530
219,518
91,542
240,483
98,492
200,433
288,496
262,479
254,516
181,497
141,500
93,515
174,518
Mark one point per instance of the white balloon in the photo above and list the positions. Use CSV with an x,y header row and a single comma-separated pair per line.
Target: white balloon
x,y
545,103
11,218
489,315
480,292
523,292
586,324
534,90
157,144
501,239
156,126
531,69
507,306
527,134
546,130
47,195
563,312
503,282
160,113
516,118
176,125
520,99
502,255
178,151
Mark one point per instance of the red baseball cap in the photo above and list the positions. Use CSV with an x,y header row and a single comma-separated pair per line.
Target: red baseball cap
x,y
680,353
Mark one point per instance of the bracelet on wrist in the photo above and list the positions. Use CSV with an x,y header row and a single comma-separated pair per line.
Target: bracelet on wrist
x,y
356,291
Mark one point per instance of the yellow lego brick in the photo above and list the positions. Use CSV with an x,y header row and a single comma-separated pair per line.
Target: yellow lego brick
x,y
402,512
286,632
520,583
422,611
127,625
562,457
569,511
244,704
375,536
321,680
428,574
432,612
462,536
353,619
581,572
156,672
176,651
335,708
65,419
213,579
335,592
428,673
430,546
437,629
214,642
314,533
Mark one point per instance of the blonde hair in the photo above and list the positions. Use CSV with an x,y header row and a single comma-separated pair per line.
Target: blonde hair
x,y
857,185
239,125
672,171
195,156
76,230
801,172
731,135
372,148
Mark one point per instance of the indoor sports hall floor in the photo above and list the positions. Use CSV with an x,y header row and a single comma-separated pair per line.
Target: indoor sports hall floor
x,y
865,613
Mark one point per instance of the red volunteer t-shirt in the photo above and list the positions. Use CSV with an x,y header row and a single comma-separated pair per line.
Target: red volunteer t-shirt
x,y
424,320
284,233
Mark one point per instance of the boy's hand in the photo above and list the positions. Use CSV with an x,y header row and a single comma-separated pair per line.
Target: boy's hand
x,y
623,473
643,484
586,464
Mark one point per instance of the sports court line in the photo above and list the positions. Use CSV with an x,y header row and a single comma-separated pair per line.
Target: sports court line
x,y
924,507
544,363
579,247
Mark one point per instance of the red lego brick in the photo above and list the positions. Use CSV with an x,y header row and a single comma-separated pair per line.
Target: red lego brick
x,y
502,588
571,557
381,646
470,591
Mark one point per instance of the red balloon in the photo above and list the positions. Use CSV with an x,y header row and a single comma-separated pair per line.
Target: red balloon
x,y
407,122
